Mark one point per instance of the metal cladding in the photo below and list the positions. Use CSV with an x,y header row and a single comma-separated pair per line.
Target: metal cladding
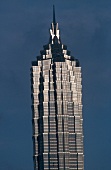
x,y
57,107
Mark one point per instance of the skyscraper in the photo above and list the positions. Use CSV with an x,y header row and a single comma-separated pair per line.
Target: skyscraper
x,y
57,107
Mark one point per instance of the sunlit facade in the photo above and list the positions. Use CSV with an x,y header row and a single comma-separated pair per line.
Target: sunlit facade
x,y
57,107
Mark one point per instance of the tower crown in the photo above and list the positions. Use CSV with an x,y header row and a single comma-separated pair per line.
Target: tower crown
x,y
55,50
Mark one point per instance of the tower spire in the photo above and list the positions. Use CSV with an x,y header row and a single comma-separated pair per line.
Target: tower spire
x,y
54,20
54,31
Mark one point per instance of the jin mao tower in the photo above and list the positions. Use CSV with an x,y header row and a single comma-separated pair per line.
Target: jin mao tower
x,y
57,107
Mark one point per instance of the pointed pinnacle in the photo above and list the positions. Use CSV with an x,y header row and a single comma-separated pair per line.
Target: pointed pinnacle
x,y
54,20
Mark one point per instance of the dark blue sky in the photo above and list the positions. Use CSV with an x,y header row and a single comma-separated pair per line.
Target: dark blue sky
x,y
24,28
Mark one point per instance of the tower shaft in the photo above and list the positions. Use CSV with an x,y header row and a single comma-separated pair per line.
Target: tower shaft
x,y
57,107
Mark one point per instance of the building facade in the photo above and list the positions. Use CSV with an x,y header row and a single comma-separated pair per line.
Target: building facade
x,y
57,107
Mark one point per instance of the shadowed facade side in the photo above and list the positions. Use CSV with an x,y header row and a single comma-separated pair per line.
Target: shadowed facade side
x,y
57,107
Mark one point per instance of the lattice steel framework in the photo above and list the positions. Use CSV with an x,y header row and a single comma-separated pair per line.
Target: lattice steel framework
x,y
57,107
